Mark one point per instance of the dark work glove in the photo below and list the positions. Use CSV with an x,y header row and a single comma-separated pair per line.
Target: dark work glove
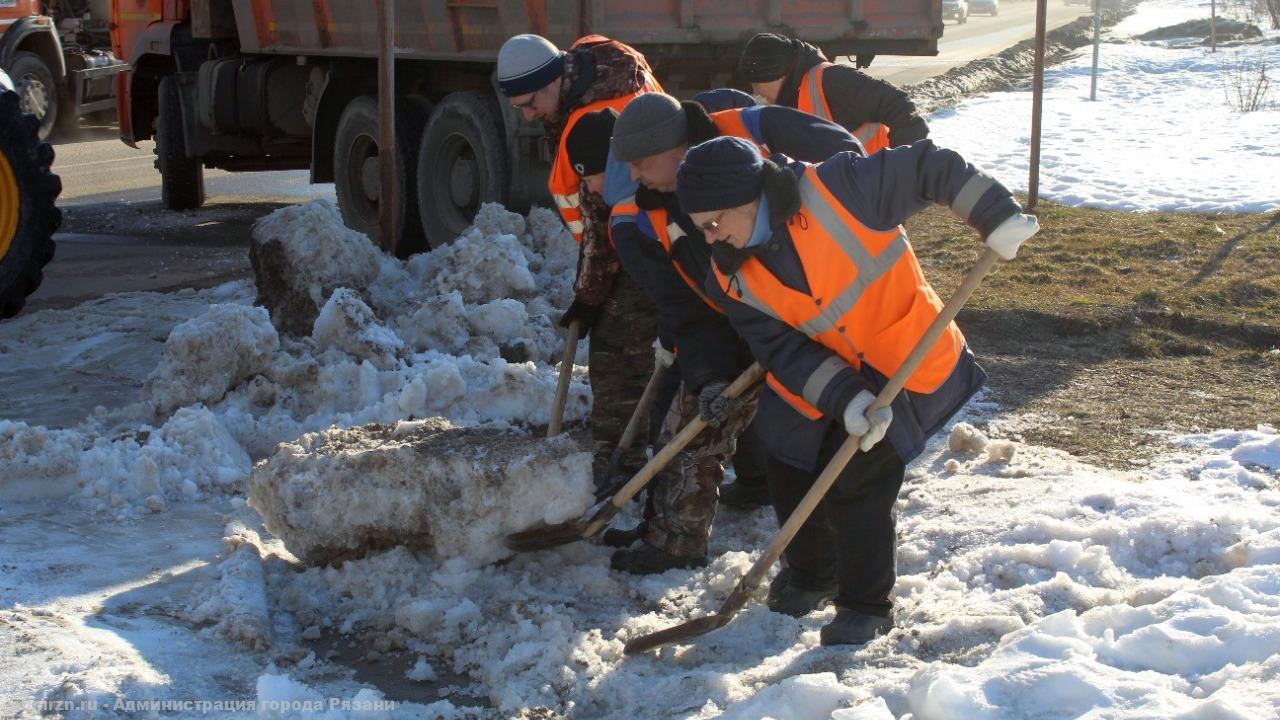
x,y
582,312
713,407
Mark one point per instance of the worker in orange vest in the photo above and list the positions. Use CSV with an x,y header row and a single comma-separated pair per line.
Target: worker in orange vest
x,y
558,88
813,267
791,72
650,137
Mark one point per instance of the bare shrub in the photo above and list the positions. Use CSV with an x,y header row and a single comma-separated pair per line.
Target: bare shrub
x,y
1246,84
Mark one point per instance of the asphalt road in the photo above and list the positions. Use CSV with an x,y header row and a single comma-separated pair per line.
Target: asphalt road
x,y
116,237
980,37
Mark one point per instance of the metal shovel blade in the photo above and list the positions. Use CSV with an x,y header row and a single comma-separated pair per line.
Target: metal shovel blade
x,y
684,631
546,536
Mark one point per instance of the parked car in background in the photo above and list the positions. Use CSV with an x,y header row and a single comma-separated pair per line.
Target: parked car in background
x,y
986,7
957,10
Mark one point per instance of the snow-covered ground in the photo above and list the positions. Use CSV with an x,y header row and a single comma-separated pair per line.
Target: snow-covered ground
x,y
1160,136
135,580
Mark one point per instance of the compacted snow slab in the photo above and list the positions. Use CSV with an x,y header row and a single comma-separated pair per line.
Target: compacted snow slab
x,y
456,491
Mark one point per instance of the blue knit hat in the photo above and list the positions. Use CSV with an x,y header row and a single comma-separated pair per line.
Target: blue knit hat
x,y
528,63
722,173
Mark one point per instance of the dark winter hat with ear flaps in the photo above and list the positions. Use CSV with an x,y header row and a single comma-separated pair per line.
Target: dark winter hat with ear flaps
x,y
723,173
588,142
767,57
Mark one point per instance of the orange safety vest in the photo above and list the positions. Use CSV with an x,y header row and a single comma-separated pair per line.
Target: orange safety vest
x,y
867,301
565,183
730,122
813,100
668,233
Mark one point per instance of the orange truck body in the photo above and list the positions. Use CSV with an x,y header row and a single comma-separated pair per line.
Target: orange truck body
x,y
294,68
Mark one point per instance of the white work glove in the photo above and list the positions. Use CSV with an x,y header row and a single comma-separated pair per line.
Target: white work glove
x,y
857,423
1010,234
662,357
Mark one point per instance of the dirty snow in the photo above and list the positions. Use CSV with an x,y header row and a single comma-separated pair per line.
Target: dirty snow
x,y
1161,135
454,491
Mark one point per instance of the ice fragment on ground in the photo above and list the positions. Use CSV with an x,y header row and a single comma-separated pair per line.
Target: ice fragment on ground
x,y
210,354
348,324
966,438
235,608
301,254
455,491
1001,451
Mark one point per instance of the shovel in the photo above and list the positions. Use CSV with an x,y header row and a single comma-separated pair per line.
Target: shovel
x,y
751,581
549,536
566,372
632,429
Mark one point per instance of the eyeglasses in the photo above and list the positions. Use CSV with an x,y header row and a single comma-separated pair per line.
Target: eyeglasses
x,y
713,224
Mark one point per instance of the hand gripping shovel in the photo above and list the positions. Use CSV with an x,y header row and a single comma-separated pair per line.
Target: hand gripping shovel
x,y
548,536
629,434
566,372
748,584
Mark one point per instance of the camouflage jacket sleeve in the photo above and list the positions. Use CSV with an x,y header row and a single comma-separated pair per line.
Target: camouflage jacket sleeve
x,y
598,262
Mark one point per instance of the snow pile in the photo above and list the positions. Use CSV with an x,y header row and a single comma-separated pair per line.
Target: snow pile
x,y
1168,658
301,254
348,324
191,456
456,491
1161,135
237,609
388,341
208,355
1011,573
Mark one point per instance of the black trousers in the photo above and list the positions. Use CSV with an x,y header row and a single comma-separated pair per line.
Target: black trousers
x,y
851,537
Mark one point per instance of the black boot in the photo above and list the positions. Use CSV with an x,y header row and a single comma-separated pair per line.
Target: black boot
x,y
790,599
854,628
745,494
623,538
646,559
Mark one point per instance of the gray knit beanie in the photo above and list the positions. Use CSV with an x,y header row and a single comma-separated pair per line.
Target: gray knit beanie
x,y
651,123
528,63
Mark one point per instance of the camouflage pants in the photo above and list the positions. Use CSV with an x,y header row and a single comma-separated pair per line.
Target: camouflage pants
x,y
685,494
620,362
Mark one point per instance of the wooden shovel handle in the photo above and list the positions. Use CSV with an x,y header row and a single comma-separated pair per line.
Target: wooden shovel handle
x,y
744,382
845,453
566,372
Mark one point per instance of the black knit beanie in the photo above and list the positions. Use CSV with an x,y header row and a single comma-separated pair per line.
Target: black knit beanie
x,y
588,142
723,173
766,57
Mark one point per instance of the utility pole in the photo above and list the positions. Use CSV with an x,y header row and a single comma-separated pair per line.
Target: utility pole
x,y
1037,105
1213,25
387,125
1097,41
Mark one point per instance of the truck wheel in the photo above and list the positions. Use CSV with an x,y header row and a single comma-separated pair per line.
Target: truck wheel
x,y
181,177
462,164
38,91
357,172
28,217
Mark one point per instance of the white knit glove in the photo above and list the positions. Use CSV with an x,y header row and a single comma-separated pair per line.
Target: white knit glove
x,y
1010,234
662,357
870,428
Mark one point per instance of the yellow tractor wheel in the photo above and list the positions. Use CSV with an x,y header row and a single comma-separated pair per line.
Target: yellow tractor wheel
x,y
28,217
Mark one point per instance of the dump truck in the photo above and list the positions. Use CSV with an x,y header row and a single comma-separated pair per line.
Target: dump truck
x,y
247,85
58,55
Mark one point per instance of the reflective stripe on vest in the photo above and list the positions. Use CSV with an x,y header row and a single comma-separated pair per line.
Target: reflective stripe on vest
x,y
868,299
812,98
668,232
730,122
564,182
